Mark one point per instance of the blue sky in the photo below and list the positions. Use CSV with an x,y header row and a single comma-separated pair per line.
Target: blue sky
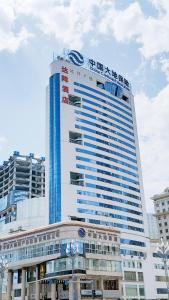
x,y
128,35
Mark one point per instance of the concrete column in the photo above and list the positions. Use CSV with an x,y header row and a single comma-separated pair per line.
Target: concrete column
x,y
101,284
102,287
23,289
53,291
70,290
78,288
37,297
9,284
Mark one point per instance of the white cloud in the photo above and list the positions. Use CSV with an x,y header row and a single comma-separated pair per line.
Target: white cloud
x,y
69,21
130,24
3,141
153,123
10,39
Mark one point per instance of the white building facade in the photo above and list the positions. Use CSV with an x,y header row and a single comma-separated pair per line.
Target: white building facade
x,y
161,205
94,164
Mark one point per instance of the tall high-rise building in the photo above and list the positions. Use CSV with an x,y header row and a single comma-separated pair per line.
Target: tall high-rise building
x,y
21,177
94,165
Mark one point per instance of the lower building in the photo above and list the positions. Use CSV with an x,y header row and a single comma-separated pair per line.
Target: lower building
x,y
161,205
68,260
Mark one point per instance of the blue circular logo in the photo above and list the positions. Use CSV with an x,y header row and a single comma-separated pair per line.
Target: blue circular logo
x,y
76,58
82,232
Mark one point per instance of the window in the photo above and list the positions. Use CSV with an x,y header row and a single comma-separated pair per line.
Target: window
x,y
162,203
74,100
166,230
141,291
165,223
160,224
161,291
110,284
139,265
76,178
17,293
161,231
100,84
131,290
140,276
160,278
129,276
125,98
75,138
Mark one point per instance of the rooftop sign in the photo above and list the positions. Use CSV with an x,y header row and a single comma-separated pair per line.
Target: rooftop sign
x,y
78,59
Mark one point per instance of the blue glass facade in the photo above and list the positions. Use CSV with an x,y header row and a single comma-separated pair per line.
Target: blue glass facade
x,y
54,150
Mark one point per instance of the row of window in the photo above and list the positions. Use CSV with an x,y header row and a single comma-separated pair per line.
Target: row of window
x,y
82,167
133,276
107,158
110,137
120,103
132,291
100,163
110,151
112,182
132,242
81,263
162,231
107,122
104,188
162,291
165,224
132,264
104,114
108,215
105,128
160,266
60,248
93,138
105,108
102,196
96,203
122,226
125,252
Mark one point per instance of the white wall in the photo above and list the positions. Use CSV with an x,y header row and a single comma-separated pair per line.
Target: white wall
x,y
31,213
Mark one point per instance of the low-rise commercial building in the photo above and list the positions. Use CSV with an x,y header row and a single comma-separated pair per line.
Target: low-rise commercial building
x,y
43,261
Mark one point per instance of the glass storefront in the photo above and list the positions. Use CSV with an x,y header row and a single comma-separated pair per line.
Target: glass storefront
x,y
81,263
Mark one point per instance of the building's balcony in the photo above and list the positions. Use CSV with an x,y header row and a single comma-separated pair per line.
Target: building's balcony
x,y
111,294
105,294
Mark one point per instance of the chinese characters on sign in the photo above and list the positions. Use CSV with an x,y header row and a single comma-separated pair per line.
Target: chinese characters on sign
x,y
110,74
77,58
65,80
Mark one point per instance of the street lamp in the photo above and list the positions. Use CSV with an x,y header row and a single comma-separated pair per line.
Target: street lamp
x,y
72,251
163,249
3,266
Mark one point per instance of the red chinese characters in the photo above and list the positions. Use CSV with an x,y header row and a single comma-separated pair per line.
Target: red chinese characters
x,y
65,88
64,100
